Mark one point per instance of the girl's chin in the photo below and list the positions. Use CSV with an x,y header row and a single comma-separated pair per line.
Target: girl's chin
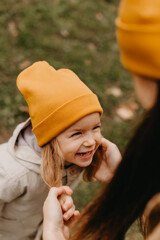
x,y
85,163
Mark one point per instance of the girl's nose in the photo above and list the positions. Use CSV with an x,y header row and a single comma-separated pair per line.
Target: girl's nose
x,y
89,140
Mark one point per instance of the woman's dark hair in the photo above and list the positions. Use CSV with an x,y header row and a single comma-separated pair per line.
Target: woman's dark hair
x,y
136,180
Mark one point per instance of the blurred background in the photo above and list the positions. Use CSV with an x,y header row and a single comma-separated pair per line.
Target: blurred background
x,y
75,34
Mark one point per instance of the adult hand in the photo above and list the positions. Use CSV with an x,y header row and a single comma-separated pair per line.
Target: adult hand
x,y
54,212
111,158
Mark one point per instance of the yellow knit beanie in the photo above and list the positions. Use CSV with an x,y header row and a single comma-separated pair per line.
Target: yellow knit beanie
x,y
56,99
138,32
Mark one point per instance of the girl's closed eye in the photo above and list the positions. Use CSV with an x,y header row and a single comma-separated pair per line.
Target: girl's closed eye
x,y
76,134
97,127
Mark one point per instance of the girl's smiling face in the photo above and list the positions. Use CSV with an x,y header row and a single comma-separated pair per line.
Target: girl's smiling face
x,y
79,142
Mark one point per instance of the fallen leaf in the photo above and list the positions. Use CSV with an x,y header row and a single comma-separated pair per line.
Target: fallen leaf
x,y
92,47
24,109
99,16
87,62
73,1
116,92
133,105
13,29
56,2
125,112
64,33
24,64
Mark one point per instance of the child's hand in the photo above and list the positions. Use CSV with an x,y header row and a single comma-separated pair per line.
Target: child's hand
x,y
68,207
53,225
111,158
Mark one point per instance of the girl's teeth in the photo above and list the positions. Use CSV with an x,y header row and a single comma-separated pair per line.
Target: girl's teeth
x,y
87,153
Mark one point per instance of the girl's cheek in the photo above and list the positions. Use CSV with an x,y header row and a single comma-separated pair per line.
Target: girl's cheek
x,y
99,138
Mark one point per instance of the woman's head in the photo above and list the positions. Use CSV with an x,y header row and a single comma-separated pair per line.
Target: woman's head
x,y
138,34
56,99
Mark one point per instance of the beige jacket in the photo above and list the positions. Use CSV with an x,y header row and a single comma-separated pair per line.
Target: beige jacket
x,y
22,190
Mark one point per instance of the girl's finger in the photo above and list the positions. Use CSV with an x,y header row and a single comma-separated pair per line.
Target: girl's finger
x,y
76,213
71,222
67,203
54,191
70,213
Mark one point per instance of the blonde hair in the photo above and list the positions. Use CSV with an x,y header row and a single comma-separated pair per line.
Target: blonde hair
x,y
53,164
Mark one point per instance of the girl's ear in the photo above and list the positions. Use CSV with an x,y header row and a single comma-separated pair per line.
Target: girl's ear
x,y
90,171
52,164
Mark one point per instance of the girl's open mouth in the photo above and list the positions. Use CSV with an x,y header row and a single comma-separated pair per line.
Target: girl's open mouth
x,y
85,155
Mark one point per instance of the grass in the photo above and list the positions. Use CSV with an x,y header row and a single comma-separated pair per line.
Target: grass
x,y
74,34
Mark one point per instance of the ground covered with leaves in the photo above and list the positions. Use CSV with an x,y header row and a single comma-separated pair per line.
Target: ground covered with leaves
x,y
75,34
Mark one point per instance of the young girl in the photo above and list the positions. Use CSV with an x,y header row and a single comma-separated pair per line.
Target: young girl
x,y
62,136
